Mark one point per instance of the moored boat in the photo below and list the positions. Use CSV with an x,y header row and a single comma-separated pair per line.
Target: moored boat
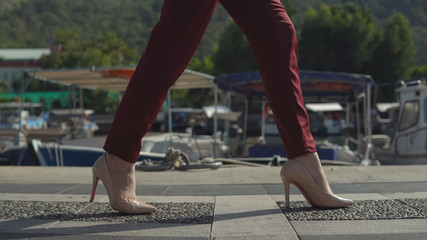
x,y
405,141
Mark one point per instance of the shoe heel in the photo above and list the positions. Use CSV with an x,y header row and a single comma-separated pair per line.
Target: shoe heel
x,y
94,185
287,184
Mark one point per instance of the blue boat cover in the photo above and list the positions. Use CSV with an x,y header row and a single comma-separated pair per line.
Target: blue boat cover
x,y
316,86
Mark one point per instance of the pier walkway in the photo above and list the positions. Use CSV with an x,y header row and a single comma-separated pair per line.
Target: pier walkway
x,y
233,202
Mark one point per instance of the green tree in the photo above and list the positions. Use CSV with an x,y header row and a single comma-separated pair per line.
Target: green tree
x,y
33,24
393,59
420,71
70,48
108,50
105,50
100,101
234,52
338,39
419,34
3,86
291,10
205,66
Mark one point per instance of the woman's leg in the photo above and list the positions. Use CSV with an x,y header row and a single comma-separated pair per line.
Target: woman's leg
x,y
273,39
172,43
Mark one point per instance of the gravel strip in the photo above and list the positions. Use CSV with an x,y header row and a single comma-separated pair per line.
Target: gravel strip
x,y
360,210
202,212
190,213
419,204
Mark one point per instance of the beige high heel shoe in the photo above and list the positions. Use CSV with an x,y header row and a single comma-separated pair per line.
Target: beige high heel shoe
x,y
101,171
293,172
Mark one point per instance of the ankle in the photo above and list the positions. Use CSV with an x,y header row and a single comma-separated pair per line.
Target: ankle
x,y
311,162
311,157
118,165
123,177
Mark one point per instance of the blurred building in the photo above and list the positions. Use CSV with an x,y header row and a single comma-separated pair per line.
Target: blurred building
x,y
15,61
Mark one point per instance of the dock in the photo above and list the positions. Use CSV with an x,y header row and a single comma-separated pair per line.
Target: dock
x,y
233,202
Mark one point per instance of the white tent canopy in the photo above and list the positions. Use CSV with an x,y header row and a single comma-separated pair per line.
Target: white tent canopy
x,y
384,107
222,112
324,107
115,78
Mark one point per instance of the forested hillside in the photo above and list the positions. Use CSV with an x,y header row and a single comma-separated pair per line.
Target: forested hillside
x,y
414,10
34,23
384,38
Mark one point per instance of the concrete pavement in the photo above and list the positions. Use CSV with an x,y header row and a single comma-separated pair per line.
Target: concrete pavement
x,y
233,202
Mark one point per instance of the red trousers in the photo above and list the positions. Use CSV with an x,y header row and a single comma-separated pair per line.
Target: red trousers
x,y
173,42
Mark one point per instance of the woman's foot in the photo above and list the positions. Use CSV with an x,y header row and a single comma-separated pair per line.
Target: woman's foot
x,y
118,177
307,174
311,162
123,177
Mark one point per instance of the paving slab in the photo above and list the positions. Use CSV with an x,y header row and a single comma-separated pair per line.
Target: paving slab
x,y
41,236
362,229
254,217
226,175
395,187
99,198
51,197
99,230
384,188
400,195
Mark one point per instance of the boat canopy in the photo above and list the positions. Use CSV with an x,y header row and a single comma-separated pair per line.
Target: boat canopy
x,y
16,105
115,78
349,89
316,86
324,107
